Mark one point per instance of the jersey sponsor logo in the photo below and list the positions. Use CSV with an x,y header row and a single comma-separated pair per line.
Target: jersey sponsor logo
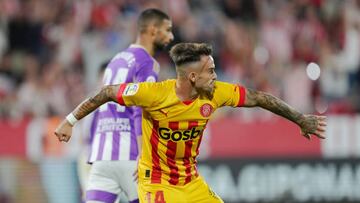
x,y
178,135
113,124
206,110
131,89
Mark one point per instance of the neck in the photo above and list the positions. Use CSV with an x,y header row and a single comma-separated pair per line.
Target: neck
x,y
143,41
185,90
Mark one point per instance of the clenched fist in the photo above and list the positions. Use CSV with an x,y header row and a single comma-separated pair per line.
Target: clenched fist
x,y
64,131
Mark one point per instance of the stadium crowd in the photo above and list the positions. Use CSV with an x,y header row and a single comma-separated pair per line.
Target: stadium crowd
x,y
50,49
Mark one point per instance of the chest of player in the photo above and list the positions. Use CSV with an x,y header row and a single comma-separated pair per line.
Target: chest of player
x,y
174,110
182,121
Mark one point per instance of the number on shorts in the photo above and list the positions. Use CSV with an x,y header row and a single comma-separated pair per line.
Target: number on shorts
x,y
159,197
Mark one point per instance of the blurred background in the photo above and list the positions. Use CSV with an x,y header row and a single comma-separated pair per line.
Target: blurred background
x,y
306,52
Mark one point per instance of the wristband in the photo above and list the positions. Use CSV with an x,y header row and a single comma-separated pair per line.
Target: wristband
x,y
71,119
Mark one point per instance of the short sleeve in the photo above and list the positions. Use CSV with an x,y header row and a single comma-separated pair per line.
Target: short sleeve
x,y
136,94
227,94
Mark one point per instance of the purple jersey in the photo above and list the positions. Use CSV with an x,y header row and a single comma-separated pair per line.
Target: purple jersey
x,y
113,134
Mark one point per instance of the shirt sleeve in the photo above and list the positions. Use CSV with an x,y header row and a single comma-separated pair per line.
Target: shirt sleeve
x,y
137,94
227,94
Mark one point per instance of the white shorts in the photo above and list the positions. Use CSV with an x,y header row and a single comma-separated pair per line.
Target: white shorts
x,y
107,179
83,169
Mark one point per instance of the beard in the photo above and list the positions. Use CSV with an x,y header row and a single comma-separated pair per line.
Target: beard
x,y
158,46
207,92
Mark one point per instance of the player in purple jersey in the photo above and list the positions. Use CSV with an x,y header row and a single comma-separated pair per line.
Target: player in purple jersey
x,y
116,133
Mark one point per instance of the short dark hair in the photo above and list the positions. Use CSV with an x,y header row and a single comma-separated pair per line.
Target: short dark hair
x,y
150,15
183,53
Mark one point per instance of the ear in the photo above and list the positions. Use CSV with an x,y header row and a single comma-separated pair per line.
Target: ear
x,y
192,76
152,30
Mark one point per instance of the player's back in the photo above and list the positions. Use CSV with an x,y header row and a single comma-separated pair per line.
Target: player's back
x,y
114,132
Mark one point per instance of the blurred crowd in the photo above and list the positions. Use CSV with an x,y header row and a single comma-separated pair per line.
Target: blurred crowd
x,y
50,50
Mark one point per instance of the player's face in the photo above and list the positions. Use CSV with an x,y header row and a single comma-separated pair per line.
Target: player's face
x,y
163,35
206,75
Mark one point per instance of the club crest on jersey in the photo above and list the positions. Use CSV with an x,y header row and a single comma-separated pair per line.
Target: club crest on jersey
x,y
206,110
131,89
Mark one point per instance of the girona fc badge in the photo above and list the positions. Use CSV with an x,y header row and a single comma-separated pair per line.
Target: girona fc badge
x,y
206,110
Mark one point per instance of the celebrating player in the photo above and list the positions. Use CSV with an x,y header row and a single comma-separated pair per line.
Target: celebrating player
x,y
175,113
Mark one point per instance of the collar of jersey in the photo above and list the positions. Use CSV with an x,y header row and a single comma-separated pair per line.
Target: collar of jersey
x,y
186,102
137,46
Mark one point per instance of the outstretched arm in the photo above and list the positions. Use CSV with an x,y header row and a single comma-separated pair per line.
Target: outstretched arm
x,y
106,94
309,124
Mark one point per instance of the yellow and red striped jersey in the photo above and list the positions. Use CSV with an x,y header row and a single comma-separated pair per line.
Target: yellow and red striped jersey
x,y
173,129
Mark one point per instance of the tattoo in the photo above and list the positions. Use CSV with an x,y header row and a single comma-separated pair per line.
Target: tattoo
x,y
89,105
309,124
273,104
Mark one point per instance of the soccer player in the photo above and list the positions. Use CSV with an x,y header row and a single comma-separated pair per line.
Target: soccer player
x,y
117,129
175,113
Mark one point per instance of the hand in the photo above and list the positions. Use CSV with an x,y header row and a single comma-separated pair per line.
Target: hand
x,y
313,125
64,131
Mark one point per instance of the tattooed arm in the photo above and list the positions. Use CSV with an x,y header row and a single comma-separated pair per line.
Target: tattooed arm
x,y
309,124
106,94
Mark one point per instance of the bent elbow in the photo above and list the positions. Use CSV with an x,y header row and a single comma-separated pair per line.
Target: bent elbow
x,y
109,92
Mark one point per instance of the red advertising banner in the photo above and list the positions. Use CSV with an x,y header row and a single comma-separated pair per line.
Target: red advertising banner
x,y
225,137
13,138
231,137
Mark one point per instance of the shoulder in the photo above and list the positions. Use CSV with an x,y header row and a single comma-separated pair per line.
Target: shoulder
x,y
163,86
143,60
141,56
126,55
223,92
149,94
148,64
220,86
